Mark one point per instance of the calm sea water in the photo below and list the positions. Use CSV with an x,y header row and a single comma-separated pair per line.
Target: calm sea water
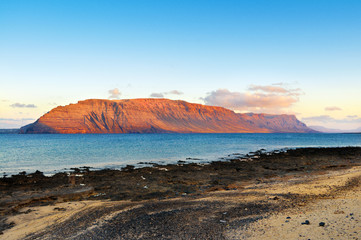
x,y
56,152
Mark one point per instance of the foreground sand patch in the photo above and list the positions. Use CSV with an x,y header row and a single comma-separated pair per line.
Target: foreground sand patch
x,y
341,214
35,219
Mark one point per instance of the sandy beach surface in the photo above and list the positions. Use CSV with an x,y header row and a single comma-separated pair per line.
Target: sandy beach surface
x,y
310,193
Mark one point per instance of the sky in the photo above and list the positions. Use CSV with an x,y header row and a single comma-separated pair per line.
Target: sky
x,y
299,57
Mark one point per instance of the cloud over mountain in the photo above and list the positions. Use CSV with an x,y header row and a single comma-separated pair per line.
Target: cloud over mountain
x,y
114,93
257,98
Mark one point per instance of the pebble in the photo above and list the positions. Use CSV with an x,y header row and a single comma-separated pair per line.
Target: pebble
x,y
321,224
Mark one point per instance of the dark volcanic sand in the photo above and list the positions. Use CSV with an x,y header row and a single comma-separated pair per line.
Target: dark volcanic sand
x,y
181,201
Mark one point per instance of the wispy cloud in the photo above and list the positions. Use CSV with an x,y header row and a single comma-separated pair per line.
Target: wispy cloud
x,y
162,94
22,105
157,95
174,92
270,89
279,84
326,120
257,98
333,108
17,119
114,93
321,119
15,122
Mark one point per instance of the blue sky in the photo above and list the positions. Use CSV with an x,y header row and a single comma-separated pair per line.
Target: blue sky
x,y
213,52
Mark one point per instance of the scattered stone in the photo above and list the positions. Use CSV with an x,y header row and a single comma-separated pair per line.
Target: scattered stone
x,y
27,211
306,222
60,209
321,224
339,212
163,169
288,217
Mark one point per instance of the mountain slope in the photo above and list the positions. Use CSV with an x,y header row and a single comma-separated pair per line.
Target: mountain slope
x,y
156,116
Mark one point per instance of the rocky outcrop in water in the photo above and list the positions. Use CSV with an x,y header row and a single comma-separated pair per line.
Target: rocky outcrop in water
x,y
157,116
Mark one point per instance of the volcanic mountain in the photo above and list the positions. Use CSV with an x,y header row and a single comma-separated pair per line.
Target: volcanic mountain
x,y
157,116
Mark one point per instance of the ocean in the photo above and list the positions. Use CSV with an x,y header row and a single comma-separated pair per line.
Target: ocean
x,y
51,153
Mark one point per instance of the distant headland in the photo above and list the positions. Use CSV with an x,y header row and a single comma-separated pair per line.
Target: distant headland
x,y
158,116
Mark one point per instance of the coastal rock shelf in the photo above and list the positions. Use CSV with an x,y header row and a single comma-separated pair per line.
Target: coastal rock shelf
x,y
220,200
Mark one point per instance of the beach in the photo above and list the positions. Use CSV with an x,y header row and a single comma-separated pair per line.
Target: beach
x,y
305,193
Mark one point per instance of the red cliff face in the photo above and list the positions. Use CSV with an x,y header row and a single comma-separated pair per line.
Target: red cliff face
x,y
156,116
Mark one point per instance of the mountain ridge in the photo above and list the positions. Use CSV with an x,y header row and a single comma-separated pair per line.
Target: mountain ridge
x,y
152,115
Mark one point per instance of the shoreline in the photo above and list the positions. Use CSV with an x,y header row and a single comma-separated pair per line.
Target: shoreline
x,y
252,155
235,184
58,153
153,163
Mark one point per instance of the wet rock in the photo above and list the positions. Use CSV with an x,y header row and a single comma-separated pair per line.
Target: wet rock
x,y
128,168
76,170
195,159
